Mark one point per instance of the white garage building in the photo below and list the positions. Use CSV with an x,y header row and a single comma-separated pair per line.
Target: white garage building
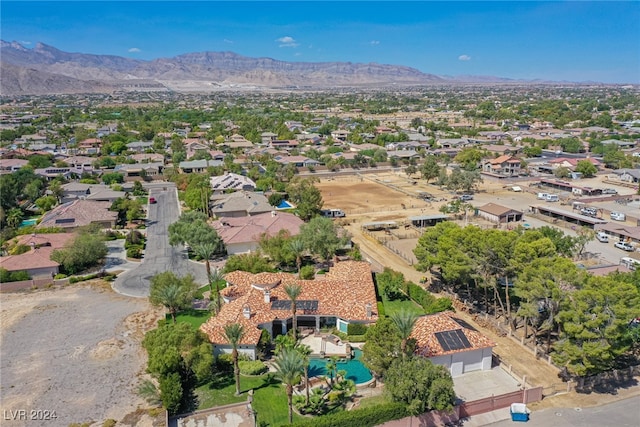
x,y
450,342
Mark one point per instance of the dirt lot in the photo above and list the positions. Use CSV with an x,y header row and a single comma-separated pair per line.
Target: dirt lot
x,y
366,200
76,351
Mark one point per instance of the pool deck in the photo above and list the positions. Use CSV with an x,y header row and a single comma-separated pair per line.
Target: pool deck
x,y
331,348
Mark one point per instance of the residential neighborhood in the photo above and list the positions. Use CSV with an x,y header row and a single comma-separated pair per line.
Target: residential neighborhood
x,y
306,262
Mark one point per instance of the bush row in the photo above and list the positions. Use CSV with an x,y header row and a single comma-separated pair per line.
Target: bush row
x,y
356,329
365,417
252,367
430,303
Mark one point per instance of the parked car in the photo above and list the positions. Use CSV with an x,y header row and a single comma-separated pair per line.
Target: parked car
x,y
624,246
152,200
609,191
602,237
466,197
618,216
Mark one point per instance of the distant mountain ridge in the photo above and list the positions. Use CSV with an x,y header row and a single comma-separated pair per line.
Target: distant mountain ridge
x,y
47,70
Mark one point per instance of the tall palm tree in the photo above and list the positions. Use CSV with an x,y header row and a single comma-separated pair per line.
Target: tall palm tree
x,y
289,365
296,246
293,292
215,277
234,332
404,321
205,251
305,352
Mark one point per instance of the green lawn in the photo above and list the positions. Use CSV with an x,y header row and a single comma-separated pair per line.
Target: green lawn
x,y
391,307
373,401
193,317
269,399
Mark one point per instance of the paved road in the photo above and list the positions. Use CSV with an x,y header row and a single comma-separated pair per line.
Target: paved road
x,y
159,255
623,413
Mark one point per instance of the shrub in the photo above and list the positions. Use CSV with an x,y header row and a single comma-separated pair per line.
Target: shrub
x,y
14,276
356,329
252,367
134,238
365,417
307,272
134,252
111,235
356,338
109,423
60,276
381,312
19,249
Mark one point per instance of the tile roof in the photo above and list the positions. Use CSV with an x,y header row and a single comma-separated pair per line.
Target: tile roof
x,y
344,291
249,202
82,212
250,228
426,327
231,181
40,255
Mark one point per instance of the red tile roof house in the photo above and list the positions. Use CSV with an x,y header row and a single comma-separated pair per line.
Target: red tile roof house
x,y
450,342
242,234
345,294
37,262
504,165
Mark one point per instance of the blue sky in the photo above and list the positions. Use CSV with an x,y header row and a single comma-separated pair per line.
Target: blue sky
x,y
570,40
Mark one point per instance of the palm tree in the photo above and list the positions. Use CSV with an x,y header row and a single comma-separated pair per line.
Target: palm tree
x,y
215,277
296,246
234,333
404,321
293,292
173,292
289,365
332,368
14,217
205,251
305,352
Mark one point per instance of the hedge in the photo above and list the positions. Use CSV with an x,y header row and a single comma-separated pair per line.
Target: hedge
x,y
356,329
356,338
381,312
365,417
430,303
252,367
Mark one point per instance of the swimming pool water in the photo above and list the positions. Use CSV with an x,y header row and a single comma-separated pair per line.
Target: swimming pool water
x,y
284,205
27,222
356,370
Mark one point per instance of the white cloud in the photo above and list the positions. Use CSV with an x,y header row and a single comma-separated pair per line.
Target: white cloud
x,y
287,41
228,41
464,58
24,42
134,50
297,54
374,42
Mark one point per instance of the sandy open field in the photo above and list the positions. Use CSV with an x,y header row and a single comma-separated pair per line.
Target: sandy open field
x,y
76,351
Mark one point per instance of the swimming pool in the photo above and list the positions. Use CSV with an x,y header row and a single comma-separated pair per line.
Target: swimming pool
x,y
285,205
356,370
28,222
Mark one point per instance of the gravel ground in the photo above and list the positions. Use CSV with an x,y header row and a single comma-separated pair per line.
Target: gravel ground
x,y
73,350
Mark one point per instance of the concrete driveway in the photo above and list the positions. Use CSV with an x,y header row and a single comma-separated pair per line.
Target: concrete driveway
x,y
159,256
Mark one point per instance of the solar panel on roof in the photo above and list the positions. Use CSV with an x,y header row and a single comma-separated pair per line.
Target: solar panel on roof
x,y
285,304
453,340
65,220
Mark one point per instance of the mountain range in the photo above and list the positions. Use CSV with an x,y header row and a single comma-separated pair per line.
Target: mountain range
x,y
47,70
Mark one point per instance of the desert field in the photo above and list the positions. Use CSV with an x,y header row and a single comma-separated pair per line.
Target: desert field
x,y
74,351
